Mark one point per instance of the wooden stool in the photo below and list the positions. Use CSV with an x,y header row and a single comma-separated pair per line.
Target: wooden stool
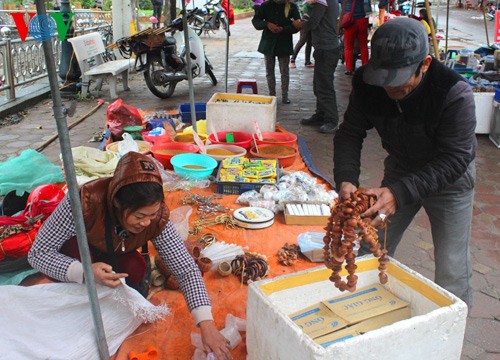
x,y
247,83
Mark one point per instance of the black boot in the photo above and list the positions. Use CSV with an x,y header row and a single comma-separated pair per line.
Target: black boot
x,y
315,119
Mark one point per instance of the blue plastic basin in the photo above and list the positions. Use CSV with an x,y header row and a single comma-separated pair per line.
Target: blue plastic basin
x,y
180,161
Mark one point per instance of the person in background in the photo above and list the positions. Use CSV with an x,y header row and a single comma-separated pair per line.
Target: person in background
x,y
383,6
325,40
424,113
228,9
278,20
157,8
121,214
358,31
257,4
424,19
305,37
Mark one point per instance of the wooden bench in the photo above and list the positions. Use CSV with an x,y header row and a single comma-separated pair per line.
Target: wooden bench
x,y
88,49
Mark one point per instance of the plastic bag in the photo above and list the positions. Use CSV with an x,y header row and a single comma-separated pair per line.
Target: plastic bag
x,y
127,144
120,115
311,245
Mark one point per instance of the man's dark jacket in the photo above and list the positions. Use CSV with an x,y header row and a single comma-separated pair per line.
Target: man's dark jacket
x,y
429,135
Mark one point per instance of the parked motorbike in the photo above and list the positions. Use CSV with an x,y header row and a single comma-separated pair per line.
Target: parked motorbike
x,y
209,18
163,63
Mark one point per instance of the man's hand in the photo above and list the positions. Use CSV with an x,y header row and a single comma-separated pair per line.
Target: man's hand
x,y
297,24
213,341
386,205
104,275
274,28
346,188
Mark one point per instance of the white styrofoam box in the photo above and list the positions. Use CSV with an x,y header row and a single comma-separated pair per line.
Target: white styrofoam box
x,y
485,111
435,330
237,111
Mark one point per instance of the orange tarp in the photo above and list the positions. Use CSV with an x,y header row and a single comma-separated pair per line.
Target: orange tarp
x,y
171,337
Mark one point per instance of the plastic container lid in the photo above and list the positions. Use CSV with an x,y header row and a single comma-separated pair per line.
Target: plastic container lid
x,y
253,217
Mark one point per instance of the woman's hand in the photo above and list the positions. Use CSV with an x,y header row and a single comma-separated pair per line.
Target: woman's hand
x,y
104,275
297,24
274,28
214,341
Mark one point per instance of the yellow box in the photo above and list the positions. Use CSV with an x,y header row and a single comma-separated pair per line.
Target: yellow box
x,y
364,303
317,320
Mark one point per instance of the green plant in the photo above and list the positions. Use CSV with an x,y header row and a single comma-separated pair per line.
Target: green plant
x,y
242,4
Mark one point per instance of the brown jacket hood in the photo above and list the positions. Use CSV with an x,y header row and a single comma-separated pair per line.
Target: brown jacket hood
x,y
97,199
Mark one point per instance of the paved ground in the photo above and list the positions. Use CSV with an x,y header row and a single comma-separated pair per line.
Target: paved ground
x,y
483,326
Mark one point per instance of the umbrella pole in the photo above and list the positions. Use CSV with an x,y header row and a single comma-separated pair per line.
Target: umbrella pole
x,y
227,42
447,26
76,208
433,30
485,27
187,49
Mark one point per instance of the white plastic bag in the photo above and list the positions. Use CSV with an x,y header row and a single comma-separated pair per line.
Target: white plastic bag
x,y
127,144
60,312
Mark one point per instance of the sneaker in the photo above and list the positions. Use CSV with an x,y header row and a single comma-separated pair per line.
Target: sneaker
x,y
313,120
285,100
328,128
311,65
292,65
349,72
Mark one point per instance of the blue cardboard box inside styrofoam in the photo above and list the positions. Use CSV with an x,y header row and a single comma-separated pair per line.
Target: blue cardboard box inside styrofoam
x,y
435,330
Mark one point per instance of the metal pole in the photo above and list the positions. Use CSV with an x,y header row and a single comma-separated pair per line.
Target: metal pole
x,y
8,61
447,26
227,41
486,27
69,170
433,30
187,49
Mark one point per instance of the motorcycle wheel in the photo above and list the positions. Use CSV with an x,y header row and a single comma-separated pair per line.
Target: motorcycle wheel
x,y
151,76
209,72
224,23
196,25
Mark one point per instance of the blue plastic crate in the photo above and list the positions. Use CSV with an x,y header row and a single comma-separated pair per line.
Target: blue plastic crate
x,y
185,111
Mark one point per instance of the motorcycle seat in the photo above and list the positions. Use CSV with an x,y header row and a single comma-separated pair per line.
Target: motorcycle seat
x,y
170,40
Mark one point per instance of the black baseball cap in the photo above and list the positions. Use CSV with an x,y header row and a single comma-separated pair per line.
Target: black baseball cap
x,y
397,48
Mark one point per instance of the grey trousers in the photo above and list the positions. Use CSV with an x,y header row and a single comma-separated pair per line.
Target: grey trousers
x,y
450,215
283,62
324,68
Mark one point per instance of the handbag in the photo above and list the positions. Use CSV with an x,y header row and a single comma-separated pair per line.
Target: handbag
x,y
348,19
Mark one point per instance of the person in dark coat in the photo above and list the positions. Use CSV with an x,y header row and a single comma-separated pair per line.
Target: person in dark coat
x,y
278,20
425,115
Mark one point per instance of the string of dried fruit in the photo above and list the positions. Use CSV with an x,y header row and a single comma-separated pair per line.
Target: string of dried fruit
x,y
345,226
288,254
250,267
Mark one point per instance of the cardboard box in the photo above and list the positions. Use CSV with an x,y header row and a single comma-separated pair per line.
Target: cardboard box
x,y
236,112
305,219
435,330
363,327
318,320
364,303
337,336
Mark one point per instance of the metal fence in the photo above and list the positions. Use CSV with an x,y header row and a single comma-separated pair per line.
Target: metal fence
x,y
22,63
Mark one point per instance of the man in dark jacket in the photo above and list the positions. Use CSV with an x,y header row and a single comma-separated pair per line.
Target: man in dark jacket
x,y
323,26
278,20
425,115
